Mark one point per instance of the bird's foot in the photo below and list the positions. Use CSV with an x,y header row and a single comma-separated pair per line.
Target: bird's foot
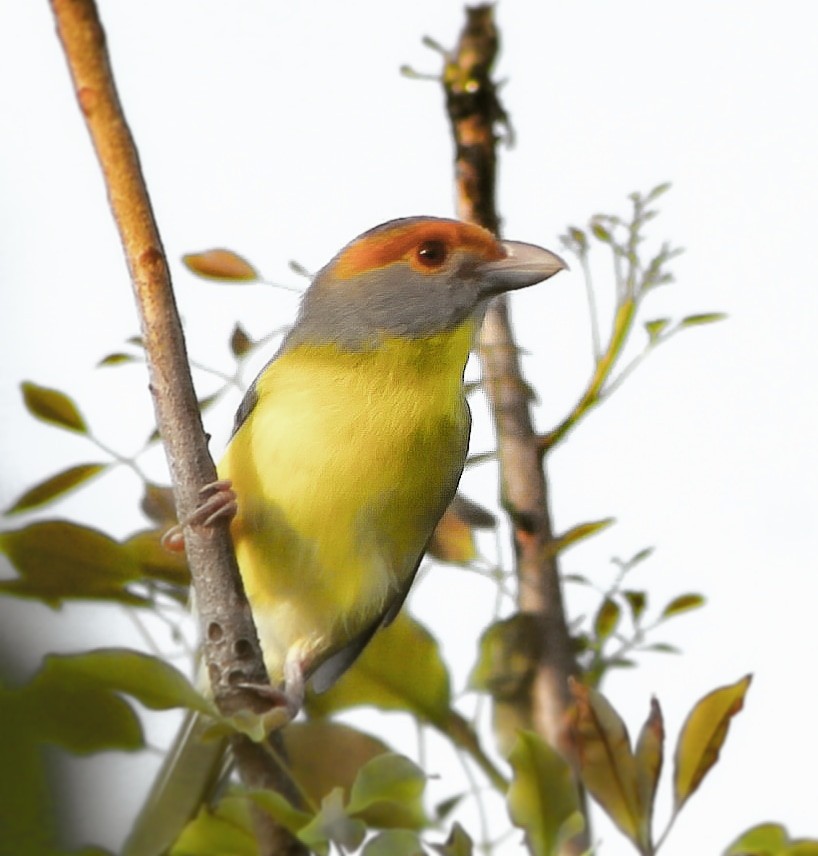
x,y
217,501
291,695
277,697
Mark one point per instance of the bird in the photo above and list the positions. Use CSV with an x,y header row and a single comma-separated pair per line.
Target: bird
x,y
349,445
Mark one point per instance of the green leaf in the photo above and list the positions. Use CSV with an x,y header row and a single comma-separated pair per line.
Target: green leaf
x,y
638,558
657,191
278,807
606,763
649,755
542,799
702,737
78,716
601,233
394,842
298,268
225,829
656,327
576,534
702,318
27,814
74,700
481,458
207,401
153,682
606,619
57,560
53,406
446,807
55,486
333,824
391,787
457,844
509,651
637,601
401,669
660,648
156,562
221,265
325,755
771,839
117,359
766,839
682,603
578,238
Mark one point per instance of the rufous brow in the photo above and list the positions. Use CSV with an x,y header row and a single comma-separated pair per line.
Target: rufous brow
x,y
391,245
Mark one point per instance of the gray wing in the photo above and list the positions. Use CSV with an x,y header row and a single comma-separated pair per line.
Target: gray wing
x,y
334,666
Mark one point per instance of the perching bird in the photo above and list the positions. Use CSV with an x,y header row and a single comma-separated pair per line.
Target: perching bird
x,y
350,443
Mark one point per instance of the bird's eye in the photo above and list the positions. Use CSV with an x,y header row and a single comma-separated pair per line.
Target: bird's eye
x,y
432,254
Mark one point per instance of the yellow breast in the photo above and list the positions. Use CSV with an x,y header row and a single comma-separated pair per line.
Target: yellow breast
x,y
342,470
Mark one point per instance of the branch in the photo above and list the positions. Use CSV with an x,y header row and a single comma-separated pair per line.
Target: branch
x,y
474,111
232,653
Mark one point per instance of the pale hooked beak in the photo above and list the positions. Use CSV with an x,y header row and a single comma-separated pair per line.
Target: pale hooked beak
x,y
524,265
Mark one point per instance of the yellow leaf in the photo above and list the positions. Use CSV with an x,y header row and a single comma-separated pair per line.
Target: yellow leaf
x,y
702,737
56,486
576,534
52,406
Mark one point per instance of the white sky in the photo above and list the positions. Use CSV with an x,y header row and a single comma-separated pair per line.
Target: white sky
x,y
283,130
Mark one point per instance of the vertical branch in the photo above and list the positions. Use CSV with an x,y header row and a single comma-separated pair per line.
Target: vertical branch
x,y
232,652
474,111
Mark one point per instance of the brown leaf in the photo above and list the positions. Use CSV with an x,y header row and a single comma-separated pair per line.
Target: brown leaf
x,y
453,539
240,342
606,763
472,513
220,264
649,755
158,504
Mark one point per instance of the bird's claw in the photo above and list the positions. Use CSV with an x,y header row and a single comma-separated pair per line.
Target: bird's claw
x,y
217,501
276,697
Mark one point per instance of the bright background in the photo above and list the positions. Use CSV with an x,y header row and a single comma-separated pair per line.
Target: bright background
x,y
283,130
